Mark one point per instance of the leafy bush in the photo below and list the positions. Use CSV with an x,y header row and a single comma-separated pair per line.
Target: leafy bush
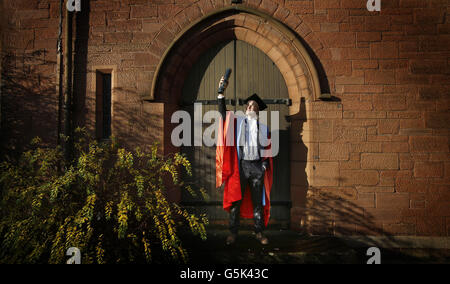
x,y
109,202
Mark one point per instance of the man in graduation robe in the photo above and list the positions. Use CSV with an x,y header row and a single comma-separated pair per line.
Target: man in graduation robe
x,y
244,165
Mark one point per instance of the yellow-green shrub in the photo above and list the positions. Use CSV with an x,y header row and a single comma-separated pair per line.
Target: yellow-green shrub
x,y
109,202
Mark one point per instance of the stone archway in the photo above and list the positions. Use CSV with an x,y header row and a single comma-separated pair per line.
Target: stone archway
x,y
251,26
272,37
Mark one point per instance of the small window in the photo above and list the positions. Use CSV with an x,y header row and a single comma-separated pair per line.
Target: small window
x,y
103,105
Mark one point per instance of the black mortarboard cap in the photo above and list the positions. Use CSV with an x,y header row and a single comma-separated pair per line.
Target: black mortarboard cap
x,y
258,100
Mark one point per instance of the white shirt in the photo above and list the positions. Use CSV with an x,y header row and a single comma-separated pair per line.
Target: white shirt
x,y
251,139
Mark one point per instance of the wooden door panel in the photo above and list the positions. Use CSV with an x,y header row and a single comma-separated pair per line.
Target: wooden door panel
x,y
202,84
253,72
258,74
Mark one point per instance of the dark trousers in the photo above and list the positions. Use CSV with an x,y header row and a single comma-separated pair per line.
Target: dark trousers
x,y
252,173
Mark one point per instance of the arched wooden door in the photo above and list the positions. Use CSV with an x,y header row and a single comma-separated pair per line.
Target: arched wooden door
x,y
253,72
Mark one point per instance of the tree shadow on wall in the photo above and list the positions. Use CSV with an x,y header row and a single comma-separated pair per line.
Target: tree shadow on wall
x,y
334,214
327,211
29,100
134,123
321,211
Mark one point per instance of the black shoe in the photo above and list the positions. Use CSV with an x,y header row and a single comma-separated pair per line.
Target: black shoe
x,y
262,239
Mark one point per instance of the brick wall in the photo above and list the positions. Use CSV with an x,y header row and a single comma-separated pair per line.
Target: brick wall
x,y
377,156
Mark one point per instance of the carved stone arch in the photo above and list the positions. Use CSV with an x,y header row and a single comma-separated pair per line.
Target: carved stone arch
x,y
276,40
276,32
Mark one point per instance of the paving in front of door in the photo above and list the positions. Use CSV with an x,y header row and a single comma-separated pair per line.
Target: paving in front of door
x,y
290,247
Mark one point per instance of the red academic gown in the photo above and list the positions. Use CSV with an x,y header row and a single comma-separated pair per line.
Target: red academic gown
x,y
227,172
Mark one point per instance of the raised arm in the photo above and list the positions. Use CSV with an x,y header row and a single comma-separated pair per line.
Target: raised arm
x,y
221,100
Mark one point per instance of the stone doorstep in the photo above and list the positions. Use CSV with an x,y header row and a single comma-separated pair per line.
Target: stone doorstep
x,y
409,242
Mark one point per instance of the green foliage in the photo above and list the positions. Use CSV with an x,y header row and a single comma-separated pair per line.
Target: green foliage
x,y
109,202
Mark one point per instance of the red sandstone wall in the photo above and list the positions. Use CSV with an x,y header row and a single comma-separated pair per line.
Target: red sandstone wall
x,y
378,158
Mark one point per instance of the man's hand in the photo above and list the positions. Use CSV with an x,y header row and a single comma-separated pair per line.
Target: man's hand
x,y
224,84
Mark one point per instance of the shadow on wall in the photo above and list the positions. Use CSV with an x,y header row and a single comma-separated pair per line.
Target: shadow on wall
x,y
328,211
138,124
323,78
30,106
333,212
29,100
135,123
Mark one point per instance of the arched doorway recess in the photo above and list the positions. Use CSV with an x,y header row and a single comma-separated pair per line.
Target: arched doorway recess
x,y
272,38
